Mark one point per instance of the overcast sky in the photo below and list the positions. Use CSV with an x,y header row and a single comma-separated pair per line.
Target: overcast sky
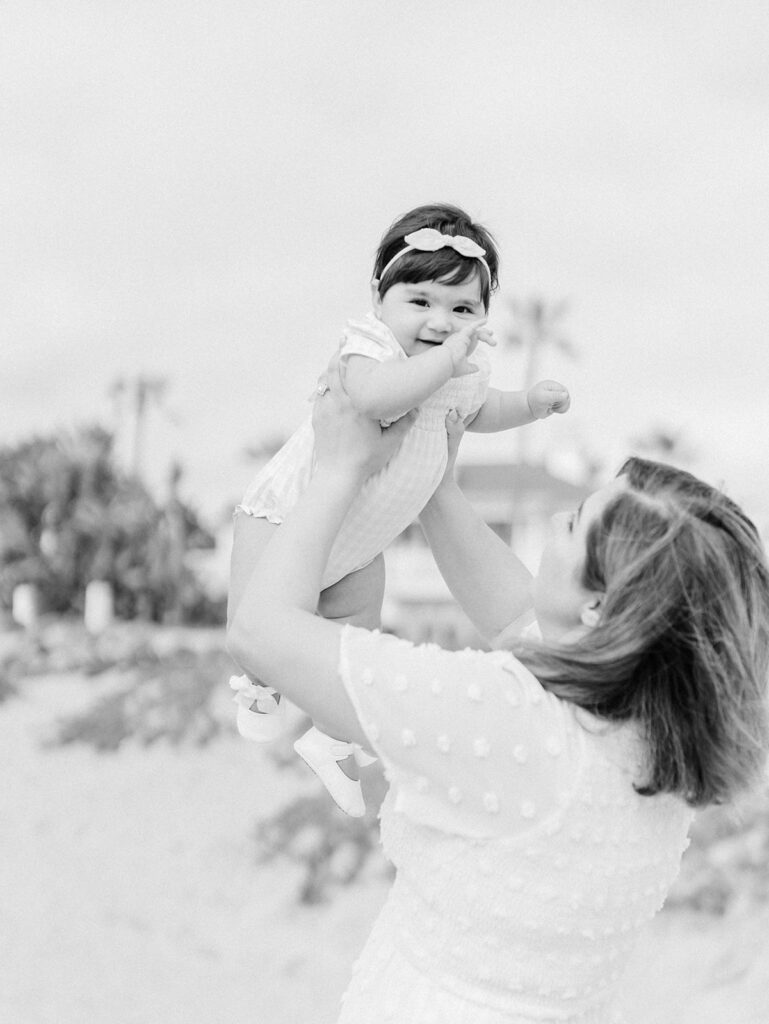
x,y
196,191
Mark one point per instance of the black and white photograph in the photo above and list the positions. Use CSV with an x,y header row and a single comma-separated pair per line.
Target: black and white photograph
x,y
384,512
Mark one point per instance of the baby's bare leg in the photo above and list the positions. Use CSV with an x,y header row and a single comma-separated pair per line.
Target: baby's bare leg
x,y
251,535
356,599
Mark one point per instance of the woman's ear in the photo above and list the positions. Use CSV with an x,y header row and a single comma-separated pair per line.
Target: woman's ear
x,y
591,611
376,300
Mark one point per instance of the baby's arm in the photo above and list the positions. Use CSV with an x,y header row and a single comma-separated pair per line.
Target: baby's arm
x,y
386,391
504,410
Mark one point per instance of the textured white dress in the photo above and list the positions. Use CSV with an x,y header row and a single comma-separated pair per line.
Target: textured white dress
x,y
394,497
526,862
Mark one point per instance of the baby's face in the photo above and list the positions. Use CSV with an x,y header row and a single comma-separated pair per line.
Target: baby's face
x,y
423,315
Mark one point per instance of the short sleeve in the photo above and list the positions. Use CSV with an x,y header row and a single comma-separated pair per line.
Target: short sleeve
x,y
370,337
470,740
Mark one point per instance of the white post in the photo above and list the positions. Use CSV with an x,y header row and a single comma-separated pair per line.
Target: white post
x,y
99,608
25,608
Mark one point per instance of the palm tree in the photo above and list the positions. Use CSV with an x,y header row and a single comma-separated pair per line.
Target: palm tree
x,y
665,443
534,327
261,451
132,397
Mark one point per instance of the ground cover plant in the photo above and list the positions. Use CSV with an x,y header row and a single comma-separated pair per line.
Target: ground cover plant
x,y
170,685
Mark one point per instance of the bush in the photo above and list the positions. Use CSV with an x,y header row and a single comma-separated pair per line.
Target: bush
x,y
331,848
167,681
727,863
164,697
68,515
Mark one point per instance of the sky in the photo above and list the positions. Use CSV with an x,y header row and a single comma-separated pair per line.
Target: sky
x,y
195,192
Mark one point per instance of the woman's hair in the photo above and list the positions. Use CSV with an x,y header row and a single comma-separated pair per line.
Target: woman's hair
x,y
445,265
682,643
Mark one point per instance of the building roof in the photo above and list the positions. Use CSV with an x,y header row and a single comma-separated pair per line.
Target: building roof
x,y
519,482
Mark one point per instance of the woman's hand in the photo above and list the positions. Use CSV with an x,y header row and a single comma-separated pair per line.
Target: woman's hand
x,y
346,439
490,584
455,429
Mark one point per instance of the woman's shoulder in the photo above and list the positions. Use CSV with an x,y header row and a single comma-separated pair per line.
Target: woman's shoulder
x,y
472,733
480,675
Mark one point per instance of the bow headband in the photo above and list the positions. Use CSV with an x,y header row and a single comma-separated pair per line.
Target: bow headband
x,y
430,240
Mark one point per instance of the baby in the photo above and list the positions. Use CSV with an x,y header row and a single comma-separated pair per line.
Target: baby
x,y
421,346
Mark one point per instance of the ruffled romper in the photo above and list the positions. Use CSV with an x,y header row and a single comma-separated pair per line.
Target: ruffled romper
x,y
391,499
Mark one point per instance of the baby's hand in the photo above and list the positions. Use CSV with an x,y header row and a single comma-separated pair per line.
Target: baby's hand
x,y
547,397
463,343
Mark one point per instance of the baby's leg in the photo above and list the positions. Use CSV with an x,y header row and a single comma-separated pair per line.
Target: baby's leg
x,y
258,718
356,599
250,537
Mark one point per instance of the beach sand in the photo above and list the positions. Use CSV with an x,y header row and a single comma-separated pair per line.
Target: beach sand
x,y
130,894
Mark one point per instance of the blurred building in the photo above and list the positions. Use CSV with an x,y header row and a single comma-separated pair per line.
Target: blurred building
x,y
517,501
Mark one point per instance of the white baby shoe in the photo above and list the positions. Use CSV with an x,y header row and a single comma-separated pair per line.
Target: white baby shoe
x,y
260,716
322,753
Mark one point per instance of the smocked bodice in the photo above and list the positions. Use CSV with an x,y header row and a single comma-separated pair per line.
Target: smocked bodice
x,y
393,498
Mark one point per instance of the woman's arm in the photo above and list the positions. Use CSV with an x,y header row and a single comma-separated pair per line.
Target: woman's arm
x,y
491,584
274,634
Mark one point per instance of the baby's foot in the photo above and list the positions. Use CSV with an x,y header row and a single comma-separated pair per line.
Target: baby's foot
x,y
326,757
357,758
261,713
349,767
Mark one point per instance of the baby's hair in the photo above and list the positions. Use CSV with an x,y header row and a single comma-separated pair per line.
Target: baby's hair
x,y
445,265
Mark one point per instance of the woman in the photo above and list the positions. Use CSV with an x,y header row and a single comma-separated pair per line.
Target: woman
x,y
540,796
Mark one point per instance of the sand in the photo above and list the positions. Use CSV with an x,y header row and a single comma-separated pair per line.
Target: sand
x,y
130,894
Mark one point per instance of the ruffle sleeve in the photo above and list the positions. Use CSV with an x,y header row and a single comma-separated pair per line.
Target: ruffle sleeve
x,y
369,337
470,740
